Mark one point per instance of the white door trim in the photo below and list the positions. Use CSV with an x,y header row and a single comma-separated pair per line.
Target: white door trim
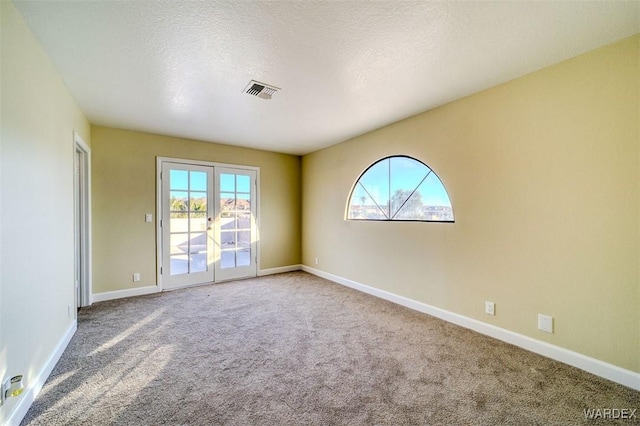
x,y
159,242
80,146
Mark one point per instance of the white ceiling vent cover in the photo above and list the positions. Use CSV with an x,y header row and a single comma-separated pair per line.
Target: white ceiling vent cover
x,y
260,90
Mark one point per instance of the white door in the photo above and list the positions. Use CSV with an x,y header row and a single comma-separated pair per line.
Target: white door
x,y
208,224
236,223
187,225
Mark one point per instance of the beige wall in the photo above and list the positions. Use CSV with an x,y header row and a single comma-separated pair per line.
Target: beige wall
x,y
543,174
38,118
124,189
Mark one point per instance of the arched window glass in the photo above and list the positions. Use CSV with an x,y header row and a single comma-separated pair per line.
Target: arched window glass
x,y
399,188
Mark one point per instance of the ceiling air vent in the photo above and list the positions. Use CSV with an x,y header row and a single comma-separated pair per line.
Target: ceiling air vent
x,y
260,90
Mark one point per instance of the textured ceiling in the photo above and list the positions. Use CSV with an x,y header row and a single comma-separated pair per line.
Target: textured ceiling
x,y
179,67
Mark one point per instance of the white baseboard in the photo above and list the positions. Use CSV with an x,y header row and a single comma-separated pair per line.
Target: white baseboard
x,y
140,291
594,366
34,388
119,294
279,270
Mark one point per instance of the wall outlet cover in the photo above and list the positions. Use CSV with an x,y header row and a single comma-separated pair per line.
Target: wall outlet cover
x,y
489,308
545,323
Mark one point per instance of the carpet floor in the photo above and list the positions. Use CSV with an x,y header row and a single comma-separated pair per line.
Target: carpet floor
x,y
294,349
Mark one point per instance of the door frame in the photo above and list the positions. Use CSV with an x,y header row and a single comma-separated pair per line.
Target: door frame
x,y
82,222
159,242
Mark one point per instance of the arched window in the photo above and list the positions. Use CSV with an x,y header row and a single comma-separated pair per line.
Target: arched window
x,y
399,188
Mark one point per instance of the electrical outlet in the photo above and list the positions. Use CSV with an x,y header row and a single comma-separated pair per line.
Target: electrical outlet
x,y
69,311
317,261
545,323
148,217
136,277
489,308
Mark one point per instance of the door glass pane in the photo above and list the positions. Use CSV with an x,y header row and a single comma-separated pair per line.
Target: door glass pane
x,y
178,201
227,201
179,243
198,181
179,264
198,243
244,220
228,221
198,222
243,202
244,257
227,183
198,262
244,183
178,222
228,239
179,179
198,202
244,239
228,259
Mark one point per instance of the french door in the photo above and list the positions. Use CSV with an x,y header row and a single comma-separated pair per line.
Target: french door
x,y
208,227
235,225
